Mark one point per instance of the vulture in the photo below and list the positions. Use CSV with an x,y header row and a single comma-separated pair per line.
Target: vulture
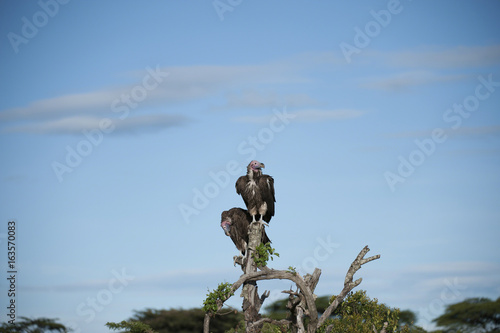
x,y
235,224
257,191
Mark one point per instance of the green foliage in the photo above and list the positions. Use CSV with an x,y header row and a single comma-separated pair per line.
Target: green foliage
x,y
292,269
240,328
407,317
417,329
130,326
358,313
262,254
269,328
277,309
471,315
188,321
322,303
216,297
39,325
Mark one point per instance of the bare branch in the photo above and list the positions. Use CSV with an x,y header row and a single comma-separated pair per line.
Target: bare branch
x,y
348,283
291,292
265,295
329,328
262,299
312,280
282,322
264,268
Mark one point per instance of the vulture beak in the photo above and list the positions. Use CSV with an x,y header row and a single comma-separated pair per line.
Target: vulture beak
x,y
262,165
226,226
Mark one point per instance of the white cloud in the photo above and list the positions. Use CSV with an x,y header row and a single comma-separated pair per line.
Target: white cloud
x,y
313,115
250,98
75,125
466,276
307,115
163,86
428,57
89,102
454,268
237,85
405,80
459,132
460,56
187,83
426,65
173,279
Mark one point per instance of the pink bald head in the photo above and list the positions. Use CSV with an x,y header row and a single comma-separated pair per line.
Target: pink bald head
x,y
256,165
226,226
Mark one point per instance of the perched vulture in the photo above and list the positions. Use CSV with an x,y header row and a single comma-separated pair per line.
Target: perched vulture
x,y
235,223
257,191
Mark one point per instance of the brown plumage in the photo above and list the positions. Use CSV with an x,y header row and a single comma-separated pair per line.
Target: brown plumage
x,y
257,191
235,223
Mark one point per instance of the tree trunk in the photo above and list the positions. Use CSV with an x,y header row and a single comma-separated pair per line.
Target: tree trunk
x,y
251,300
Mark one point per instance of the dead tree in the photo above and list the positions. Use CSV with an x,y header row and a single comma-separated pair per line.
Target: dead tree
x,y
301,303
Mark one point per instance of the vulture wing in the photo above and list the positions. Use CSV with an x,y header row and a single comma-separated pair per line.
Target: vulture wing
x,y
239,229
241,185
240,220
266,186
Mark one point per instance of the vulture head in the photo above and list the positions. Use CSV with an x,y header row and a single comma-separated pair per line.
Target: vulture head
x,y
255,166
226,223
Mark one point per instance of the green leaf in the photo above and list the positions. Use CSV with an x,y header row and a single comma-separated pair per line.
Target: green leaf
x,y
219,295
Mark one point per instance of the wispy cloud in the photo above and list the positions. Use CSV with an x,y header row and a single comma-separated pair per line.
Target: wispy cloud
x,y
307,115
75,125
430,279
182,84
460,56
71,104
454,268
173,279
239,87
164,87
406,80
427,65
258,99
459,132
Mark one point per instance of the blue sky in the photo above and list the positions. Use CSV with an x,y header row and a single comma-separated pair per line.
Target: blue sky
x,y
125,124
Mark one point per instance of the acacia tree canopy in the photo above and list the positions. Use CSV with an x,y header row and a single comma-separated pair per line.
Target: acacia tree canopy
x,y
472,315
39,325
